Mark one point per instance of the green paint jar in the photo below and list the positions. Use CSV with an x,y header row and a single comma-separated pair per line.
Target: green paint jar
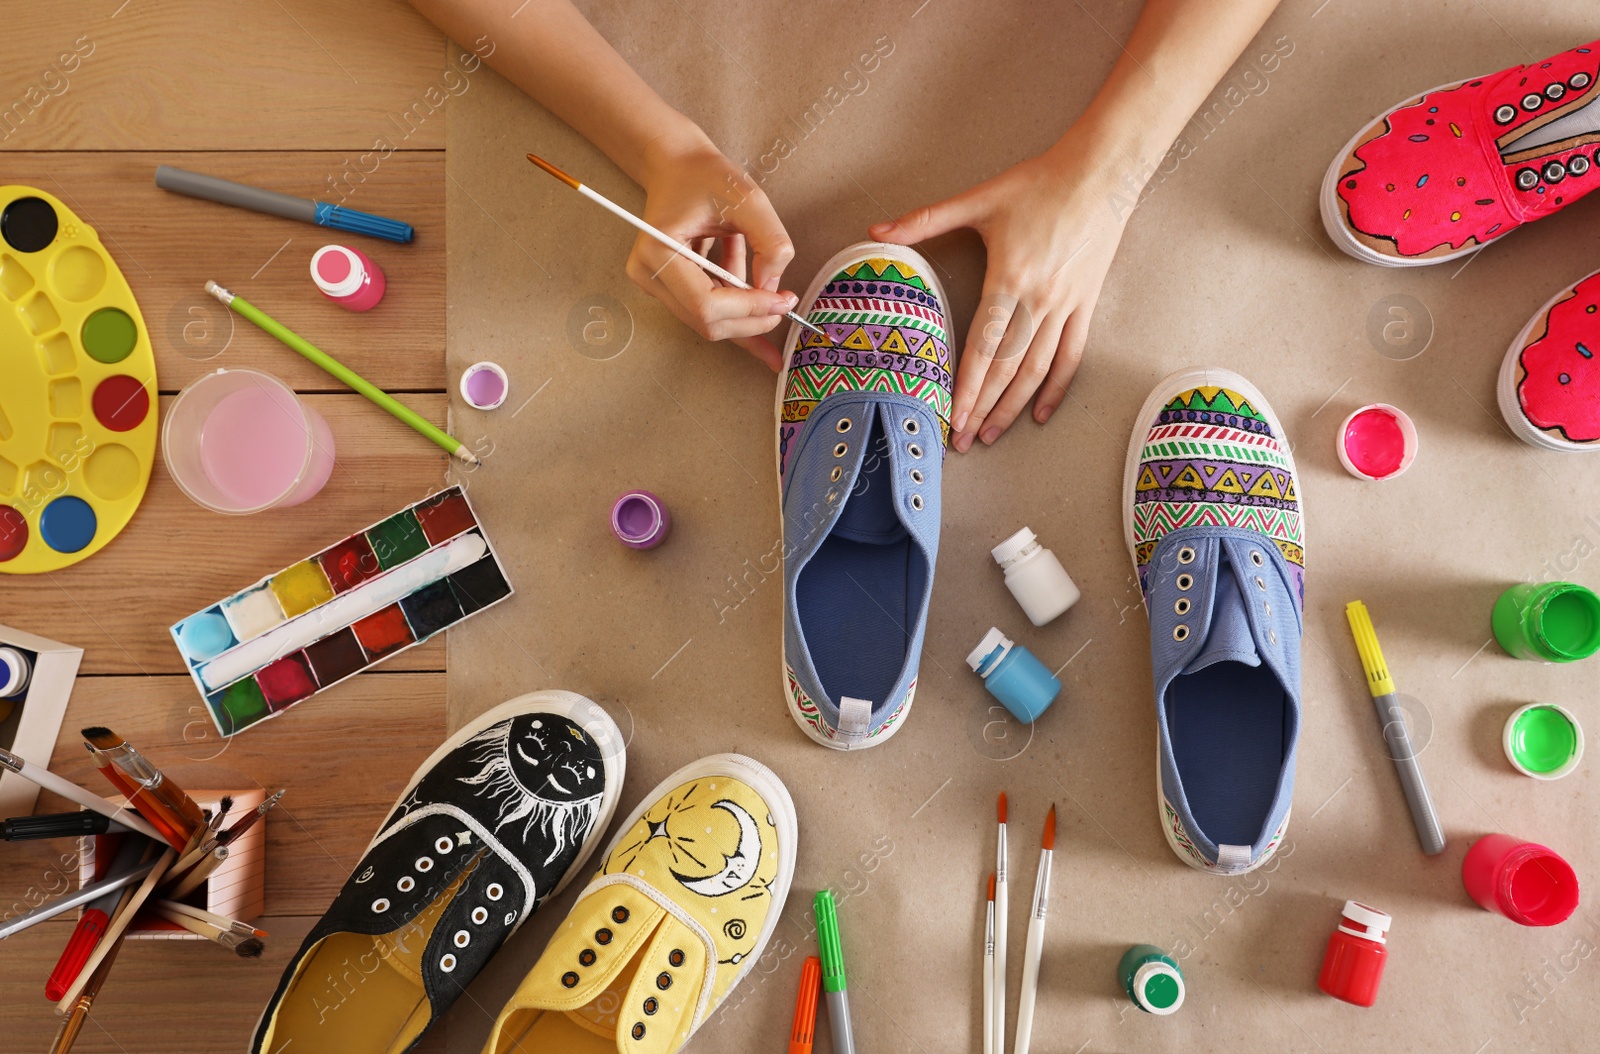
x,y
1548,621
1151,978
1543,740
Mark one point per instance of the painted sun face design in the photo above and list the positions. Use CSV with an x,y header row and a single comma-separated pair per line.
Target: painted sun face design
x,y
544,773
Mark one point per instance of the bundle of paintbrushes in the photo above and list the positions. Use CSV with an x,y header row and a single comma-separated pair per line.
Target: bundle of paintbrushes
x,y
159,849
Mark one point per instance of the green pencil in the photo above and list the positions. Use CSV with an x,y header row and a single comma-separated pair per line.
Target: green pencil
x,y
273,327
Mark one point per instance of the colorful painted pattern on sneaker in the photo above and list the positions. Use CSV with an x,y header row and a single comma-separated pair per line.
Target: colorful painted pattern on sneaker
x,y
812,716
1211,459
1443,173
1556,378
886,333
1178,838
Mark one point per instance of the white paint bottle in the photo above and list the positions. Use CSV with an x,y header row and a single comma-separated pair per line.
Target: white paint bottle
x,y
1035,577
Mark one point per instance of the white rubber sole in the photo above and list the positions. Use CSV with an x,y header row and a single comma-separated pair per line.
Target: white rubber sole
x,y
1328,201
848,255
772,790
1159,396
1506,387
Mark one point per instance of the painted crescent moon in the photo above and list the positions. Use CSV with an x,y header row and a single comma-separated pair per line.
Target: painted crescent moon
x,y
739,868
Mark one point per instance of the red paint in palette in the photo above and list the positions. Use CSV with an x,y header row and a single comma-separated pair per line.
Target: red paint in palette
x,y
121,402
445,516
384,631
286,681
349,563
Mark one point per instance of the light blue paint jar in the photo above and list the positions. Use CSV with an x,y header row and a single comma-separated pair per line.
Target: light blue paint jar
x,y
1014,676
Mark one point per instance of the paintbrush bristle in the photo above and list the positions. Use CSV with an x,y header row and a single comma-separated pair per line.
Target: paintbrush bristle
x,y
1050,829
553,170
1001,808
102,737
250,949
991,886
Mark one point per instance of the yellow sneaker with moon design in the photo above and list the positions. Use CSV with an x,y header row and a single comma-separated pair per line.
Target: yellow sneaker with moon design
x,y
689,893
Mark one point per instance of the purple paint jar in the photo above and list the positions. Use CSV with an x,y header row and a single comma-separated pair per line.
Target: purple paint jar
x,y
640,520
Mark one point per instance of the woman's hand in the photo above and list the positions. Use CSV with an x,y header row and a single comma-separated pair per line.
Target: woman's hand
x,y
1051,229
699,197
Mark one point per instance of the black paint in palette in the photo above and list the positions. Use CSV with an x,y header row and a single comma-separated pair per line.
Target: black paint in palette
x,y
479,585
430,609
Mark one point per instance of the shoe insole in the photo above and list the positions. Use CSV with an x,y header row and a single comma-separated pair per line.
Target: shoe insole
x,y
1227,726
1585,120
587,1030
858,597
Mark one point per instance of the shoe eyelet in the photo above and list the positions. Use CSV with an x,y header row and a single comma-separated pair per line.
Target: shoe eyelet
x,y
840,449
843,425
1180,633
836,474
443,845
462,938
586,957
447,963
424,864
1182,606
1578,81
1505,114
380,905
602,937
406,884
1532,101
1256,557
914,450
569,980
911,426
1267,609
1272,635
1261,583
676,957
638,1030
651,1005
663,980
495,891
833,496
1186,555
480,915
1554,90
1527,178
917,476
1577,165
1554,172
1185,581
619,914
916,502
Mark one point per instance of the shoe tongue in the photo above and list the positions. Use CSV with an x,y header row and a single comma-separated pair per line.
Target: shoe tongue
x,y
869,514
1229,638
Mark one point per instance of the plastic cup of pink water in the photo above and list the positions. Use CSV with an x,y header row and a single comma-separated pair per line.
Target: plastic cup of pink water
x,y
241,441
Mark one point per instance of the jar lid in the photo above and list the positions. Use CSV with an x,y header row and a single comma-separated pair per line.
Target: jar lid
x,y
992,642
1012,547
1158,988
1361,921
337,270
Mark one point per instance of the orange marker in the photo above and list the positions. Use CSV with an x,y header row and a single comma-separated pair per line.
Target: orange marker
x,y
805,1007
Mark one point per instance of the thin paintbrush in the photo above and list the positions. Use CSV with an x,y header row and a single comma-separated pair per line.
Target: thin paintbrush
x,y
245,945
80,1007
253,817
212,918
661,236
198,874
43,777
138,769
164,819
988,971
206,840
998,1037
1036,920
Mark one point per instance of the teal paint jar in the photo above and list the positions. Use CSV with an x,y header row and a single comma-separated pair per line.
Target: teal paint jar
x,y
1152,979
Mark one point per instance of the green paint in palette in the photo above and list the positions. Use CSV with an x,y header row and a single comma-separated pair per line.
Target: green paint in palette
x,y
397,539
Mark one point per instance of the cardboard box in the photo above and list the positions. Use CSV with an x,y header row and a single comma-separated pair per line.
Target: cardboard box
x,y
30,729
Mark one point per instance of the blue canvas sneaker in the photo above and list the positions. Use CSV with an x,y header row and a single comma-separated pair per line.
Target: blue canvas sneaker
x,y
1211,512
863,416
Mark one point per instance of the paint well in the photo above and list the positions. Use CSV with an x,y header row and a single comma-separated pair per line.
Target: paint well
x,y
484,385
1375,444
397,539
205,636
254,446
383,631
112,471
29,224
109,335
1543,739
13,533
444,517
349,563
301,587
430,609
67,524
638,519
286,681
239,704
336,657
252,612
121,403
479,585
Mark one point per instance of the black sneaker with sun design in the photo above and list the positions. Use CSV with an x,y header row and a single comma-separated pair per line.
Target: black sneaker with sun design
x,y
493,823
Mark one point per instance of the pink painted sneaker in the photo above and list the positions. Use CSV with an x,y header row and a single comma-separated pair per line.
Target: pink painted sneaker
x,y
1451,170
1550,382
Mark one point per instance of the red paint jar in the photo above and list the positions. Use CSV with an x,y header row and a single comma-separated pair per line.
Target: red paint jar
x,y
1526,882
348,277
1352,967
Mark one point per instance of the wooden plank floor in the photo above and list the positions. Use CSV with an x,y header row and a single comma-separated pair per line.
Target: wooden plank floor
x,y
288,95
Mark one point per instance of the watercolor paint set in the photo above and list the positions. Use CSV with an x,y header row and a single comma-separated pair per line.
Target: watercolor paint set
x,y
309,626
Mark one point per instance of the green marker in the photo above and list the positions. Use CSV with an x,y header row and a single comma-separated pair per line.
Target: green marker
x,y
452,446
833,983
1543,740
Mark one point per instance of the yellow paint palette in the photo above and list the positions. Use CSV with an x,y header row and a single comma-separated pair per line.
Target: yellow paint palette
x,y
77,388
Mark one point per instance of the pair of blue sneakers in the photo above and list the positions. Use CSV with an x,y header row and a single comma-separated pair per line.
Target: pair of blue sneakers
x,y
1211,516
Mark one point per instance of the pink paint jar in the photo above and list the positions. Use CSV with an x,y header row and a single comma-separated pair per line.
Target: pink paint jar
x,y
1378,441
347,277
1524,881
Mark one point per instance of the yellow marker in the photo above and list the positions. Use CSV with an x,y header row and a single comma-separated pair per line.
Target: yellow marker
x,y
1378,680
